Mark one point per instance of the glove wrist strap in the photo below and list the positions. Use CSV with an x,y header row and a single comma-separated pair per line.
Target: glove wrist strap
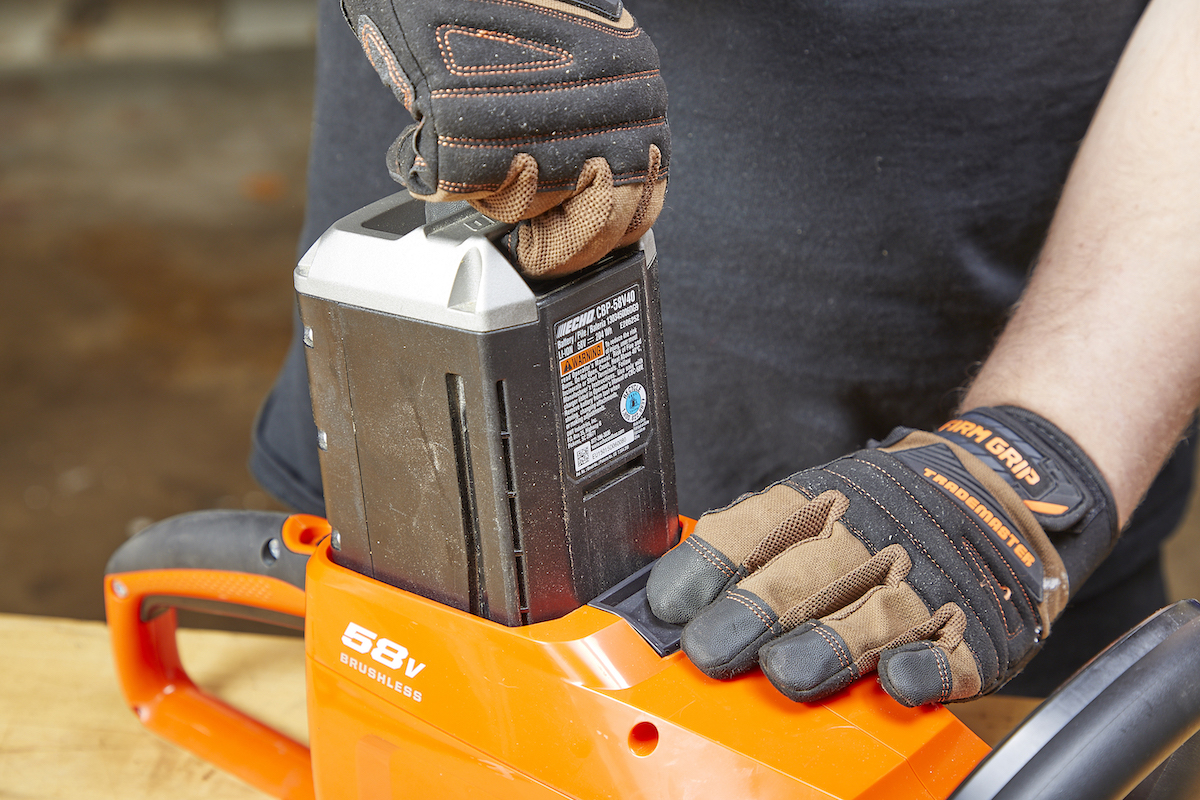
x,y
1053,477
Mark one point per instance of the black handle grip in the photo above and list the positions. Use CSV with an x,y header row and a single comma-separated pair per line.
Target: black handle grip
x,y
234,541
1109,726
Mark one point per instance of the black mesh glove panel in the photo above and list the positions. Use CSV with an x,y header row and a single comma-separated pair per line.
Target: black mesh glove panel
x,y
933,559
545,110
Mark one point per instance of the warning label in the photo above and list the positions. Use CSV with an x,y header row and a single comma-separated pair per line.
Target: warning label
x,y
602,375
581,359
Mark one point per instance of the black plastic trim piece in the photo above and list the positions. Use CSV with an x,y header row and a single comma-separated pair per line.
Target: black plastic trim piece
x,y
154,605
628,601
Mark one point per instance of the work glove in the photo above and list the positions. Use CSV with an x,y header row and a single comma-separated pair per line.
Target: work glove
x,y
938,560
547,112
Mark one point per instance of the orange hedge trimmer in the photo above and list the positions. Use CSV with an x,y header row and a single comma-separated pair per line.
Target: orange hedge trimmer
x,y
498,475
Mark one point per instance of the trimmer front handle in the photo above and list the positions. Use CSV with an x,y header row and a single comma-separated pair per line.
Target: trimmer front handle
x,y
236,563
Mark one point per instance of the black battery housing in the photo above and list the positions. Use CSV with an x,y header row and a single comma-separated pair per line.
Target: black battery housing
x,y
497,445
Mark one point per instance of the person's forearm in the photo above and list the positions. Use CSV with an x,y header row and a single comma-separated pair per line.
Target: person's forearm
x,y
1106,340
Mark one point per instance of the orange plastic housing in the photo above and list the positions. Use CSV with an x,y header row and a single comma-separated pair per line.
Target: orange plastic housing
x,y
157,687
408,697
583,707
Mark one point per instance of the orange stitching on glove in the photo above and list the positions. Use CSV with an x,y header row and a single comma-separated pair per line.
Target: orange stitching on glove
x,y
843,656
755,609
375,46
583,133
706,554
546,88
982,569
987,535
559,57
910,535
625,178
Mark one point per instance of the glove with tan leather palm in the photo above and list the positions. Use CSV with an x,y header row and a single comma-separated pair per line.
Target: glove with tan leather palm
x,y
938,560
551,113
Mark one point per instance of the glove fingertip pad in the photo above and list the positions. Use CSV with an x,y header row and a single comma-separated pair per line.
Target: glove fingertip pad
x,y
687,579
808,664
916,674
723,640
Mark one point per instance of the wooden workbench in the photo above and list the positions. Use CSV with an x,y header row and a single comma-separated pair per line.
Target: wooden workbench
x,y
65,731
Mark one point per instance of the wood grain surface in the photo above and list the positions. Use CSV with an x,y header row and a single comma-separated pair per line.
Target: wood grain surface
x,y
65,731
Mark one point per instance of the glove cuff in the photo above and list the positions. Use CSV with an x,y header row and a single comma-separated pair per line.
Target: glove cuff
x,y
1051,474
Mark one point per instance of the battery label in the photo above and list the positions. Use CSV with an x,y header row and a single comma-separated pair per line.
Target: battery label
x,y
603,379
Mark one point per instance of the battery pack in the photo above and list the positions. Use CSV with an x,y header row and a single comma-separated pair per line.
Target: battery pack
x,y
498,445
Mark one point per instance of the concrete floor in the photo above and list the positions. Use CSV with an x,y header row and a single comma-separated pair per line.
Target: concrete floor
x,y
150,200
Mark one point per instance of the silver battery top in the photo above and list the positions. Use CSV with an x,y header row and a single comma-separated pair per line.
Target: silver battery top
x,y
447,273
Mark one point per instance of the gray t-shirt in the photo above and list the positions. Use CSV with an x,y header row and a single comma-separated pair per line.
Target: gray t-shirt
x,y
858,189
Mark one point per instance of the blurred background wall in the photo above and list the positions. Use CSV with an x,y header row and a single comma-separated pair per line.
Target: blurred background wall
x,y
152,158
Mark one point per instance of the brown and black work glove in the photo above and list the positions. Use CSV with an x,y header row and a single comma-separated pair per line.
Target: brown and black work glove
x,y
938,560
548,111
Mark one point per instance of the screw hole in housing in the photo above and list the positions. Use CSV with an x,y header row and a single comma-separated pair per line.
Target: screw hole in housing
x,y
643,739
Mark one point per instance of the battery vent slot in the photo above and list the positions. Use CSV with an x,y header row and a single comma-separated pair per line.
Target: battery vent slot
x,y
476,598
629,468
514,518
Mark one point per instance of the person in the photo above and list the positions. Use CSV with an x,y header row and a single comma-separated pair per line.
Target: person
x,y
858,191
